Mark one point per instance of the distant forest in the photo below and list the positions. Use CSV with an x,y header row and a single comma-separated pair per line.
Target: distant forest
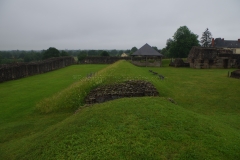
x,y
13,56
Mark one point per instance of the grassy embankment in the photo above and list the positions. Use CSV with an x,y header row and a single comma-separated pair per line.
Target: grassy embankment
x,y
204,124
18,98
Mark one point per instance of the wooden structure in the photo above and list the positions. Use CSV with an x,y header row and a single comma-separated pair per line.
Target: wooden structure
x,y
124,55
147,56
20,70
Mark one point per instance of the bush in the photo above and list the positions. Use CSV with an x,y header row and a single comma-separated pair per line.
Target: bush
x,y
51,52
104,53
81,56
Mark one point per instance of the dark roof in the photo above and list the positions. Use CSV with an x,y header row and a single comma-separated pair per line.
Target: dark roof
x,y
146,50
218,42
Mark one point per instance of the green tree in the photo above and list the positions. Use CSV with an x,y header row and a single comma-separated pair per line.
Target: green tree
x,y
27,57
165,52
183,41
104,53
64,53
120,52
82,55
51,52
127,51
92,53
169,43
113,52
134,49
154,47
206,38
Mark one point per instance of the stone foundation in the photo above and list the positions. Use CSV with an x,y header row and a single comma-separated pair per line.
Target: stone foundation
x,y
131,88
235,74
200,57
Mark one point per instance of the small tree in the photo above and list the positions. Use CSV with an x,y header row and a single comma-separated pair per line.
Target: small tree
x,y
64,53
134,49
165,52
104,53
154,47
206,38
82,55
51,52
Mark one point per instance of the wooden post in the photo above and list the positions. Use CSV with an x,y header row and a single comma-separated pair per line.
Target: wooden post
x,y
160,61
146,61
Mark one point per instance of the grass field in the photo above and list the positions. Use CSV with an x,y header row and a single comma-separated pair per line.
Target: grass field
x,y
18,98
39,118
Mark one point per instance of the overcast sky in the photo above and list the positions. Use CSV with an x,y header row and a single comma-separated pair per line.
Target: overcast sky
x,y
111,24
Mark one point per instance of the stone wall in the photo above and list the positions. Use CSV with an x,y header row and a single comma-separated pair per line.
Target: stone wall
x,y
200,57
20,70
235,74
131,88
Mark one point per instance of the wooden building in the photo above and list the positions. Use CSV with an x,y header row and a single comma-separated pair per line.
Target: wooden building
x,y
147,56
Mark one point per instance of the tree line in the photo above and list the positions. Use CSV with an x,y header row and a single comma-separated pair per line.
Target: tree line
x,y
182,42
176,47
7,57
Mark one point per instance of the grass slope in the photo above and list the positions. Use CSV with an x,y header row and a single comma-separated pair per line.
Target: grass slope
x,y
204,124
18,99
132,129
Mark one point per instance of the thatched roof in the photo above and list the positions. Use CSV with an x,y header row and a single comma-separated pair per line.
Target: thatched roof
x,y
146,50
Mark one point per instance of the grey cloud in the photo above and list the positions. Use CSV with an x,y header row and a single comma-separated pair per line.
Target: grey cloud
x,y
110,24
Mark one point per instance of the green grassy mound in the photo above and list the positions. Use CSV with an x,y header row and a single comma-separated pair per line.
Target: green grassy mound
x,y
203,124
136,128
18,99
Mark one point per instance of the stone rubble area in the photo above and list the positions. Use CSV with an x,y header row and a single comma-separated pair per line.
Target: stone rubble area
x,y
130,88
235,74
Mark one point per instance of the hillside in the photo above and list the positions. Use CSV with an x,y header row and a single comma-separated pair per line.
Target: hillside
x,y
203,124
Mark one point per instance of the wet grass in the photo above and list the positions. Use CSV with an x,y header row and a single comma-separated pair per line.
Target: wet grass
x,y
203,124
18,99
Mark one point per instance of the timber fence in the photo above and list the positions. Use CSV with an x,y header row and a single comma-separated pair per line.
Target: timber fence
x,y
20,70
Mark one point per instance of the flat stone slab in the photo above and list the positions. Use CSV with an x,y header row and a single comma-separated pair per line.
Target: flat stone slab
x,y
130,88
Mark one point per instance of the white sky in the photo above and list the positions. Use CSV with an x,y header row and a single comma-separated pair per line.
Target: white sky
x,y
111,24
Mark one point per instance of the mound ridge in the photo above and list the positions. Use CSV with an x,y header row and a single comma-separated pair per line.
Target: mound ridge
x,y
123,129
